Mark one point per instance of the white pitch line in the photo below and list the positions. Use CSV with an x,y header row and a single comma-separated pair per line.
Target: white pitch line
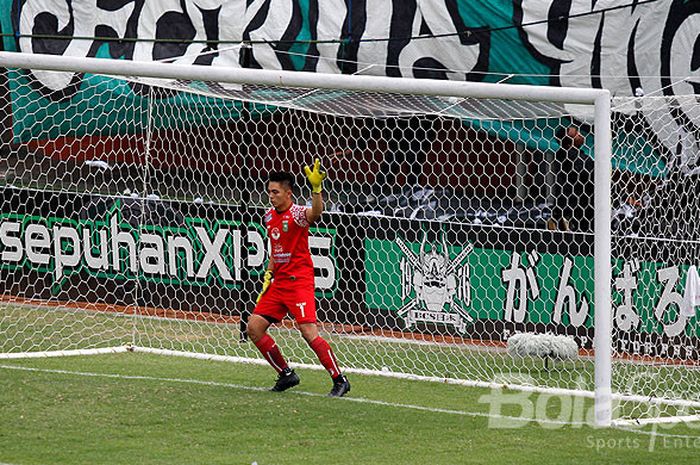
x,y
360,400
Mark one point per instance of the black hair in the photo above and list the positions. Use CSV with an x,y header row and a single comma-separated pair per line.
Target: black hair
x,y
282,177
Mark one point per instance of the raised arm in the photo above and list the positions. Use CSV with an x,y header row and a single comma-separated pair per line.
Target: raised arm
x,y
315,177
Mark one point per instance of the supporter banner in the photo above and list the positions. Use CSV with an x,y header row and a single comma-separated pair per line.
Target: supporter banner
x,y
546,41
580,43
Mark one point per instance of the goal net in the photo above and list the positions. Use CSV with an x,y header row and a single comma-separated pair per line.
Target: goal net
x,y
458,241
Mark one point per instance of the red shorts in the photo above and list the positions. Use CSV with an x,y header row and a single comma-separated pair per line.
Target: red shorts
x,y
288,296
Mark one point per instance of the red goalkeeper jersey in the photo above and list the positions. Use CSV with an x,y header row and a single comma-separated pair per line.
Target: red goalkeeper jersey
x,y
289,240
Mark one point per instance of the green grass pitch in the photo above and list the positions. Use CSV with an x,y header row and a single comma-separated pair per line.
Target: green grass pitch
x,y
147,409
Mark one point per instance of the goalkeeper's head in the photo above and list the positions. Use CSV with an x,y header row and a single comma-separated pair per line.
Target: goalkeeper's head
x,y
280,188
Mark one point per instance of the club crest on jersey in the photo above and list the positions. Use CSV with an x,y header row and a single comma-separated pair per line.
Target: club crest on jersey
x,y
436,285
275,233
285,226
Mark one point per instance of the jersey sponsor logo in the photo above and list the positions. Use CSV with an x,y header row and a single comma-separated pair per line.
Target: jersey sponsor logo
x,y
275,233
281,258
268,217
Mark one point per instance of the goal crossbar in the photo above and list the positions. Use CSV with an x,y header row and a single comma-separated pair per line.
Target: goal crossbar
x,y
280,78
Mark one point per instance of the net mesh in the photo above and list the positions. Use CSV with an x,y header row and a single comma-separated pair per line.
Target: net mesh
x,y
457,240
655,243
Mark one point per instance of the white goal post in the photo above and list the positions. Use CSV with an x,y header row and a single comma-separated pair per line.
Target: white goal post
x,y
154,320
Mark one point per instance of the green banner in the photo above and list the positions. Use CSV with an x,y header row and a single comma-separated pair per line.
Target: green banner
x,y
185,251
471,284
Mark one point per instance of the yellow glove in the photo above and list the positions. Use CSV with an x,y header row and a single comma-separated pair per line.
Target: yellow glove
x,y
315,177
267,280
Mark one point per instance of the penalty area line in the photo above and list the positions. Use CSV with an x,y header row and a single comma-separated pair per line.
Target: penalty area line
x,y
360,400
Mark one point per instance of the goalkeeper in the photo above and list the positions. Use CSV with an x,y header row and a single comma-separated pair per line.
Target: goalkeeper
x,y
288,285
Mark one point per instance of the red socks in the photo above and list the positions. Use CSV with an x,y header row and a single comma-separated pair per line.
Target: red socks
x,y
266,345
325,356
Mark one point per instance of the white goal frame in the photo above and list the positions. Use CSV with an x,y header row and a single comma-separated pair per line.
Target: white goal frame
x,y
599,98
